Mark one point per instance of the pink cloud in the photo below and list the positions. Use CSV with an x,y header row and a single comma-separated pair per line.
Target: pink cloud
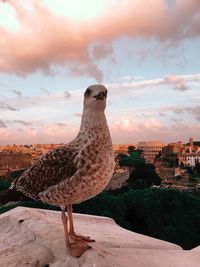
x,y
178,82
49,133
45,39
78,114
122,131
153,130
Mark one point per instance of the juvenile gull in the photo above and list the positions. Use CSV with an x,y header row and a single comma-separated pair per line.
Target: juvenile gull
x,y
77,171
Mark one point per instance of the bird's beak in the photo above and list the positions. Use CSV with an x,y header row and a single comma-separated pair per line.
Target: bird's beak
x,y
100,96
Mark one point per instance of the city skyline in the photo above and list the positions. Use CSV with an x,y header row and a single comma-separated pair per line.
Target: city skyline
x,y
145,52
136,144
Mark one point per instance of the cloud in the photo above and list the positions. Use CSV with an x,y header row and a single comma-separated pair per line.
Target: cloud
x,y
18,93
61,124
78,114
58,40
53,40
25,123
45,91
44,100
181,87
2,124
47,133
178,82
132,125
89,68
132,131
178,121
4,106
67,94
135,84
3,84
194,99
151,123
101,50
147,114
195,111
161,114
129,130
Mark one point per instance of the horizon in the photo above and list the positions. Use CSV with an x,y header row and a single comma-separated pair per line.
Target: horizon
x,y
145,52
114,144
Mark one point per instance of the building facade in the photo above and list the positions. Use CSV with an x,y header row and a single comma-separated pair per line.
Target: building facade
x,y
189,159
14,161
187,154
151,149
122,148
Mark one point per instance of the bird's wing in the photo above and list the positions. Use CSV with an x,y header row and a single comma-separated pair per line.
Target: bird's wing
x,y
86,165
49,170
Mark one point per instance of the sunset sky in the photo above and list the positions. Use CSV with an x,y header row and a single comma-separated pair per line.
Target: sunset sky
x,y
146,52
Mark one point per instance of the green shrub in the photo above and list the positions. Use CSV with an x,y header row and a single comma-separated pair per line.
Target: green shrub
x,y
4,184
161,213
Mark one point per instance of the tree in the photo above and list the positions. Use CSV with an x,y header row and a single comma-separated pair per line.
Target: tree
x,y
4,184
133,159
121,156
131,149
161,213
197,168
171,159
142,174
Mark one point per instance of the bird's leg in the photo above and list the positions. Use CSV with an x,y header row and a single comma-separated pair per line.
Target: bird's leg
x,y
72,233
75,249
65,225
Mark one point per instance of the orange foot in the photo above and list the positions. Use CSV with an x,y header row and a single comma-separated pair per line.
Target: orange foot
x,y
78,248
76,237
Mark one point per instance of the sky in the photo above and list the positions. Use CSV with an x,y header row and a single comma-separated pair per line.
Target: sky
x,y
146,52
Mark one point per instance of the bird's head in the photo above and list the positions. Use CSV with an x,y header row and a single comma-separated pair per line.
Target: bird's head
x,y
95,97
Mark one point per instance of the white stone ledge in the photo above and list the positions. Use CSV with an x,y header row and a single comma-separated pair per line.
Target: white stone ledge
x,y
35,237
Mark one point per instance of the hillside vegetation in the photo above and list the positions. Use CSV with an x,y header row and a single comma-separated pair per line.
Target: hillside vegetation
x,y
162,213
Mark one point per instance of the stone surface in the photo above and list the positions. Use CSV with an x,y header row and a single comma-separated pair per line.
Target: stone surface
x,y
35,237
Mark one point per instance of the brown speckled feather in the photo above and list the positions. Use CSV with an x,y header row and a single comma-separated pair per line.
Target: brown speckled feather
x,y
49,170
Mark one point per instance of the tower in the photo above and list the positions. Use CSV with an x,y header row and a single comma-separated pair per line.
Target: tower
x,y
191,141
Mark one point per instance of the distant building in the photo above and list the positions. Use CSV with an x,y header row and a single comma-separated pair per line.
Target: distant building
x,y
189,159
151,149
191,141
186,154
36,150
173,148
122,148
14,161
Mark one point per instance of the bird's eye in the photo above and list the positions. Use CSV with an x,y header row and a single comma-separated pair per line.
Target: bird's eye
x,y
88,92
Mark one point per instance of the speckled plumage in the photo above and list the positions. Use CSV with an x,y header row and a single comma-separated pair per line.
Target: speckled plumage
x,y
79,170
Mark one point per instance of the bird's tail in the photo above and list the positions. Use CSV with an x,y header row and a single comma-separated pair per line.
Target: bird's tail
x,y
12,186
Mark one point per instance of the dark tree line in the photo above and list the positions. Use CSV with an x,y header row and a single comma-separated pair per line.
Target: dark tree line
x,y
142,174
161,213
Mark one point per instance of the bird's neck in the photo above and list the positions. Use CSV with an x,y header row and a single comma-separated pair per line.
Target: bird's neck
x,y
93,117
93,125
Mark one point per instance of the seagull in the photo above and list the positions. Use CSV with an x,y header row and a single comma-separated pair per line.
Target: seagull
x,y
77,171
